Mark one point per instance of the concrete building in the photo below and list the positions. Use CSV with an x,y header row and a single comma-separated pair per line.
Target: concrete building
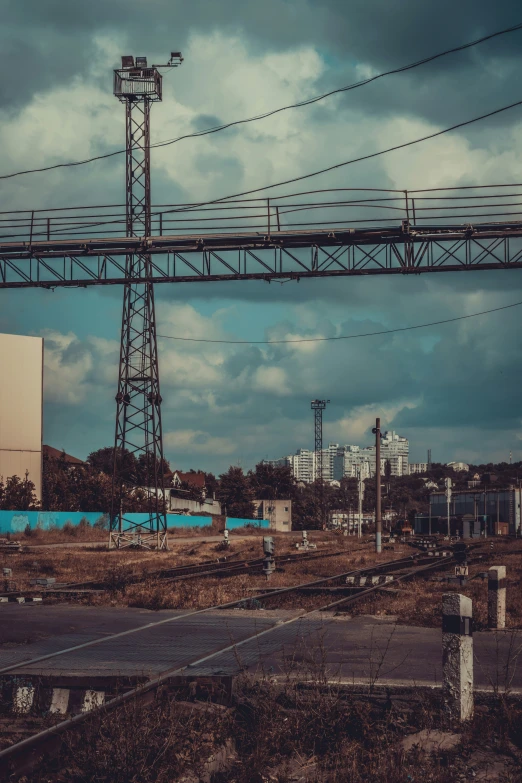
x,y
178,505
350,519
458,466
350,459
395,449
278,513
417,467
303,465
21,400
346,461
196,481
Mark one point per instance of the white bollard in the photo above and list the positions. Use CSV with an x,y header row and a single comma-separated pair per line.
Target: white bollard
x,y
497,597
23,699
457,655
93,699
60,701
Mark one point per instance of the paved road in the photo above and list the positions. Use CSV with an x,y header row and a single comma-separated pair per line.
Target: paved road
x,y
355,650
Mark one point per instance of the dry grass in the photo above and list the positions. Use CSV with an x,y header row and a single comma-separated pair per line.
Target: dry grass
x,y
80,564
285,733
420,602
417,602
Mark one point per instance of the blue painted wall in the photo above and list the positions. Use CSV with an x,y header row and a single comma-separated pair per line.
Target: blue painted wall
x,y
17,521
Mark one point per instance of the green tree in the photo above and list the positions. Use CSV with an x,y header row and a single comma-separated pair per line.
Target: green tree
x,y
192,492
102,460
306,509
56,492
235,494
212,484
272,483
18,494
146,471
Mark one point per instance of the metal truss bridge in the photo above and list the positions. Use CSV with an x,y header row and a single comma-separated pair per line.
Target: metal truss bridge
x,y
327,233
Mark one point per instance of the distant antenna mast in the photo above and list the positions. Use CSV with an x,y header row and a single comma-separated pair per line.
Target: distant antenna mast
x,y
318,407
510,457
429,459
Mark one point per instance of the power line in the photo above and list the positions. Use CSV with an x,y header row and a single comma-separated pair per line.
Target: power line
x,y
341,337
256,118
347,88
349,162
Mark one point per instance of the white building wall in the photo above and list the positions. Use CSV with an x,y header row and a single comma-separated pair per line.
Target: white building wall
x,y
417,467
346,461
21,399
278,512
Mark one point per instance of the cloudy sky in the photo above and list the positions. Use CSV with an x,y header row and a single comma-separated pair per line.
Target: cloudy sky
x,y
453,388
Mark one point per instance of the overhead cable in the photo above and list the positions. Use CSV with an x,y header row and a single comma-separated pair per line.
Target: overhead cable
x,y
256,118
348,162
343,336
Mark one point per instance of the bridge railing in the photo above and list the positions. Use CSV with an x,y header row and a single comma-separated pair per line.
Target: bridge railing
x,y
333,209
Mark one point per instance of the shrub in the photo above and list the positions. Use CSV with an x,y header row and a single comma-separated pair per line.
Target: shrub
x,y
83,524
102,523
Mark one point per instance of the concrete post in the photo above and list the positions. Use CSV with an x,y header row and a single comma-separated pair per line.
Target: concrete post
x,y
457,655
60,701
497,597
93,699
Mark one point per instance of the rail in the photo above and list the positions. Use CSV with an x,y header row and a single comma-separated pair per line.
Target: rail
x,y
310,234
19,755
392,564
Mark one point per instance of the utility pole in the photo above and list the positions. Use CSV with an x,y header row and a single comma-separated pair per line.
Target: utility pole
x,y
360,494
378,520
448,502
138,400
318,407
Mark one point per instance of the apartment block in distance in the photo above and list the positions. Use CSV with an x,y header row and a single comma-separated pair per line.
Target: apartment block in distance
x,y
21,399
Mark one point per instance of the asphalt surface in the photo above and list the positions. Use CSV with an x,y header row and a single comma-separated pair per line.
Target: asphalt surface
x,y
361,649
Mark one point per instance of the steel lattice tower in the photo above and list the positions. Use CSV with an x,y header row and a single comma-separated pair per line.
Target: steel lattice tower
x,y
318,407
138,400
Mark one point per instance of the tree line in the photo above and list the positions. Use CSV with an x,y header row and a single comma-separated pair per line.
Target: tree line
x,y
88,487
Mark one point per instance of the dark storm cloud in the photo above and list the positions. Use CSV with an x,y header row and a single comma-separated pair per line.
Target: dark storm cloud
x,y
467,381
48,43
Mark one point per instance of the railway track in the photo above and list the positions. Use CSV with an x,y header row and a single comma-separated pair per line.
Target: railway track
x,y
23,755
208,568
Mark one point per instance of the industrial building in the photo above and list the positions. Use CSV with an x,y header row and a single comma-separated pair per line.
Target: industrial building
x,y
278,513
21,400
495,509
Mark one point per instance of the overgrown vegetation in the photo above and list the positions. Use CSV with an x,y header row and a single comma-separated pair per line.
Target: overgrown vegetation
x,y
17,494
306,731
